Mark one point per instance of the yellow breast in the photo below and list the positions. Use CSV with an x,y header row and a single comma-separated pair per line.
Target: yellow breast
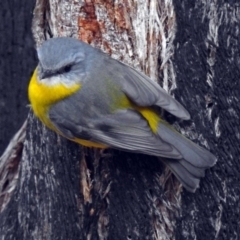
x,y
43,96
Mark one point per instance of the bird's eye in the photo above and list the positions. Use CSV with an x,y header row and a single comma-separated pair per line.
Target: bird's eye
x,y
67,68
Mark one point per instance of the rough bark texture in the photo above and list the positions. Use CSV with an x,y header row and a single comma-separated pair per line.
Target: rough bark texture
x,y
68,192
17,60
207,66
9,166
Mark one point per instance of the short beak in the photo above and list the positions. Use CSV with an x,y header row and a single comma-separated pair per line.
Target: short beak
x,y
42,73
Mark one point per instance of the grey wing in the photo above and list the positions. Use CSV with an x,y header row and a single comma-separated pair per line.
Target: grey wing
x,y
124,130
142,90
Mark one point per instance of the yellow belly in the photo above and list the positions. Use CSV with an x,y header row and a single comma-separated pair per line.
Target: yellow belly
x,y
43,96
89,143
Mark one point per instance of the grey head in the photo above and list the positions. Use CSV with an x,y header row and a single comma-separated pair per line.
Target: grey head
x,y
64,58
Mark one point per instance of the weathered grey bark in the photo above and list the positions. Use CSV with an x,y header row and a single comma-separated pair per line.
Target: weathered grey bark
x,y
66,192
207,67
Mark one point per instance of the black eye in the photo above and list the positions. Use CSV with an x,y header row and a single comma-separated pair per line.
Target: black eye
x,y
67,68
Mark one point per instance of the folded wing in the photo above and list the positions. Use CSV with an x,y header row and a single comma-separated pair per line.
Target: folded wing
x,y
141,89
125,130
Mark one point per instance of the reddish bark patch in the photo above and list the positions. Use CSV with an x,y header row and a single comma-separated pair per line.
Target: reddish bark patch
x,y
107,47
121,18
89,28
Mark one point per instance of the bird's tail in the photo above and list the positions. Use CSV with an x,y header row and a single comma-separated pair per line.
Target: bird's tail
x,y
195,160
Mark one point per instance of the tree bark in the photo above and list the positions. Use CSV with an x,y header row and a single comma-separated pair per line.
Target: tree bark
x,y
65,191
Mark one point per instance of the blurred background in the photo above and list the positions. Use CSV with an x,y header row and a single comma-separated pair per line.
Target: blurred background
x,y
17,62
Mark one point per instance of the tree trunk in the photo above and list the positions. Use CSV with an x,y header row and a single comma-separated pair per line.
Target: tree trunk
x,y
65,191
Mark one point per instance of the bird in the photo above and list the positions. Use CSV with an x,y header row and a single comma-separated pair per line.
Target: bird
x,y
88,97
